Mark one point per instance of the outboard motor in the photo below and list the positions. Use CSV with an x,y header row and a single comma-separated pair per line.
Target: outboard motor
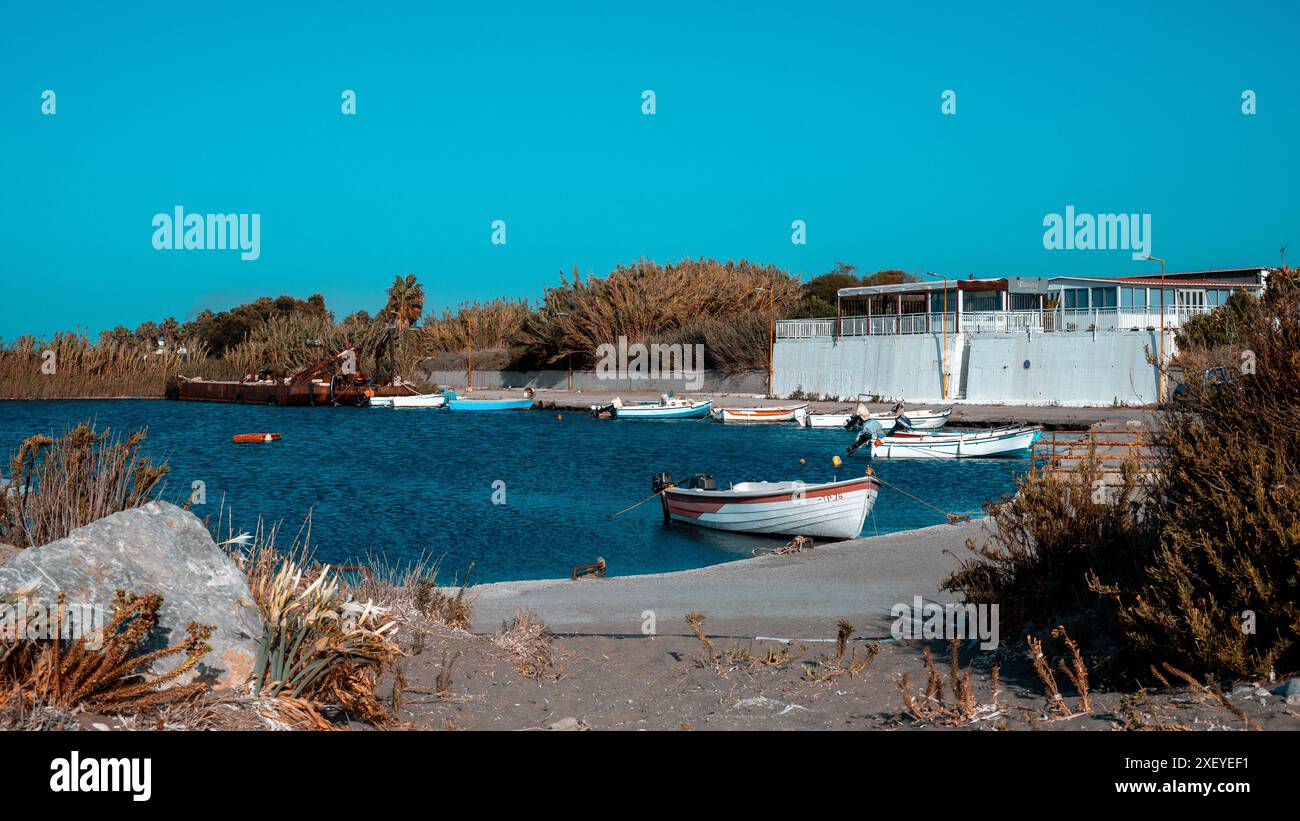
x,y
853,422
703,481
660,481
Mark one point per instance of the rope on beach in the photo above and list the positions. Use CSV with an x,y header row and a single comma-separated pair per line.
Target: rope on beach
x,y
953,518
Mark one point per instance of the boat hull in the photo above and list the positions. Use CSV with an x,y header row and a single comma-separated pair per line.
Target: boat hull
x,y
835,510
416,401
956,445
489,404
925,420
656,411
784,413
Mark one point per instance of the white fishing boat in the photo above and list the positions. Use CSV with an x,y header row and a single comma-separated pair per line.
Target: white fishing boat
x,y
832,510
419,400
668,407
775,413
924,419
948,445
825,420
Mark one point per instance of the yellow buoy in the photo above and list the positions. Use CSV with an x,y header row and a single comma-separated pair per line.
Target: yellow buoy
x,y
836,460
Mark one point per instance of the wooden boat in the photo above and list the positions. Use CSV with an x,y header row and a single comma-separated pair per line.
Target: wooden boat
x,y
775,413
255,437
846,420
668,407
419,400
924,419
832,510
458,404
949,445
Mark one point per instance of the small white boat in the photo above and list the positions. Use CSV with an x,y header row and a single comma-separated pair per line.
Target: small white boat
x,y
923,419
419,400
825,420
668,407
949,445
832,510
775,413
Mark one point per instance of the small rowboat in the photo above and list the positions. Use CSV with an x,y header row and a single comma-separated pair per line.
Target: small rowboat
x,y
457,404
776,413
833,510
255,437
668,407
923,419
952,445
419,400
846,420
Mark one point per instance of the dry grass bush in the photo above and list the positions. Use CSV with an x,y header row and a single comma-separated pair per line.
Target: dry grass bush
x,y
740,657
826,669
57,485
411,592
1046,542
106,676
1204,573
932,707
319,644
529,642
1228,497
496,324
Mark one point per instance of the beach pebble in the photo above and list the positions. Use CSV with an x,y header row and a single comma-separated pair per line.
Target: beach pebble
x,y
569,724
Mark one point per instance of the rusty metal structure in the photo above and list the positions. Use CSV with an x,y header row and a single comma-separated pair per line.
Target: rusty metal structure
x,y
333,381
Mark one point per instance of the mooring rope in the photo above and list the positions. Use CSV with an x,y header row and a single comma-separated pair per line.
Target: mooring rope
x,y
953,518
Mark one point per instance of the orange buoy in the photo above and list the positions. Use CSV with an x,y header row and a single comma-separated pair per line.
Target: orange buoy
x,y
803,461
559,417
255,437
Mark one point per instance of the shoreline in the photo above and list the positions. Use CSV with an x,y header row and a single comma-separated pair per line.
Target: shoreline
x,y
857,579
1050,417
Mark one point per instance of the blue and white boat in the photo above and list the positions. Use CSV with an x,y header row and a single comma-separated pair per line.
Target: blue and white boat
x,y
456,403
668,407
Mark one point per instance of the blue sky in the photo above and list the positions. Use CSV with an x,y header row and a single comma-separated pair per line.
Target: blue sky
x,y
531,114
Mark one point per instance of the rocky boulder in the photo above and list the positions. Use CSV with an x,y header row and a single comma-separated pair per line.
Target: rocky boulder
x,y
161,549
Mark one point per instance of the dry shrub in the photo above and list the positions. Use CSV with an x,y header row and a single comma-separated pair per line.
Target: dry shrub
x,y
68,673
1204,572
932,707
1228,497
1047,541
318,643
739,657
411,592
58,485
528,641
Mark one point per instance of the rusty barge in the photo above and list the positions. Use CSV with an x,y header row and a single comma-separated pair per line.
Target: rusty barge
x,y
335,381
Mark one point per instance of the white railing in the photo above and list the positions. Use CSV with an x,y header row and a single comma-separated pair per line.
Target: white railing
x,y
1061,319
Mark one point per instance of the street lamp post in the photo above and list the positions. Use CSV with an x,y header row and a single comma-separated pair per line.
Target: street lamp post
x,y
945,329
469,359
1162,322
771,334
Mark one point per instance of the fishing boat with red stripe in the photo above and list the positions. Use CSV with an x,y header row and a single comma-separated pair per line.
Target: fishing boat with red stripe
x,y
831,510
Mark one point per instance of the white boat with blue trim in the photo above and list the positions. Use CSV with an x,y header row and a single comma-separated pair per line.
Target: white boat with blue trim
x,y
1005,441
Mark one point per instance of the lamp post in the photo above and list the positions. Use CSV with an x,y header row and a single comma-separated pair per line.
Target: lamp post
x,y
771,334
945,329
469,359
570,355
1162,322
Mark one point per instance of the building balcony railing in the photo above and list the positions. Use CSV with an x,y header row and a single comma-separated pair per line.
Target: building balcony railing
x,y
1061,319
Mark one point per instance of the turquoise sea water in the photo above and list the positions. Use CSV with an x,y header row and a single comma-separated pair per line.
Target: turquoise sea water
x,y
400,483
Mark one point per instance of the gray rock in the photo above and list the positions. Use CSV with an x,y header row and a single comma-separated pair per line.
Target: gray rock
x,y
8,551
161,549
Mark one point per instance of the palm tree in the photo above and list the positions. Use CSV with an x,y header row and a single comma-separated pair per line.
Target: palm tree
x,y
405,302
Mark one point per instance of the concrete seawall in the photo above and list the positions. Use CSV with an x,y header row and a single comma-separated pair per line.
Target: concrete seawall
x,y
1075,368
